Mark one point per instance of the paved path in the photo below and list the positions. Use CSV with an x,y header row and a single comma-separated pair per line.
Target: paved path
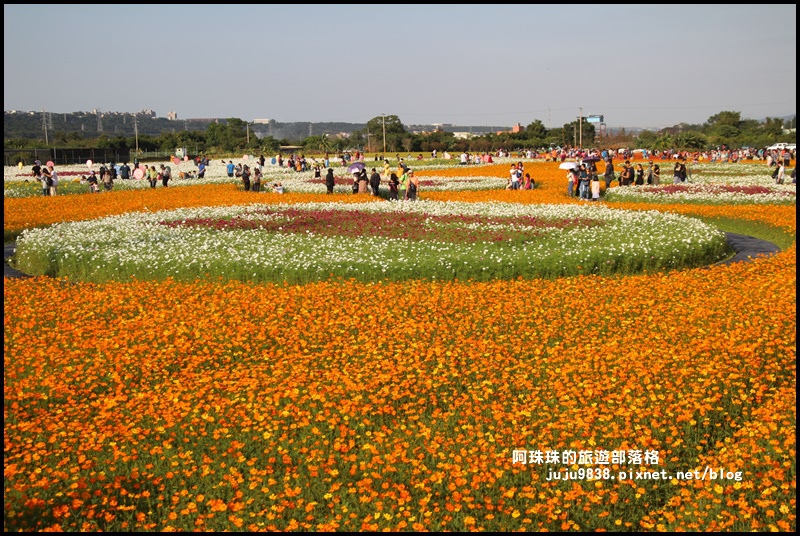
x,y
745,247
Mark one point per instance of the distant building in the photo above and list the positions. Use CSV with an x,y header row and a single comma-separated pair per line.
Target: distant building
x,y
172,116
262,121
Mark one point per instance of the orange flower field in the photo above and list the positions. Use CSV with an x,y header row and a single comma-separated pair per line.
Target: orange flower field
x,y
401,406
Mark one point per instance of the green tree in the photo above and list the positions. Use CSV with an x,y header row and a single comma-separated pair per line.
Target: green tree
x,y
391,126
691,140
536,130
731,119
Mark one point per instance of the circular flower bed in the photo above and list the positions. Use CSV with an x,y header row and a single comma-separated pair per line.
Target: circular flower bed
x,y
369,242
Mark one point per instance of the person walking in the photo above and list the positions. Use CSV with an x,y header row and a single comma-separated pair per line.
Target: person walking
x,y
330,180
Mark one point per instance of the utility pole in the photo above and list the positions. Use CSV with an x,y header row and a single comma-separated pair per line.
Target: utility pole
x,y
580,128
136,133
384,134
44,126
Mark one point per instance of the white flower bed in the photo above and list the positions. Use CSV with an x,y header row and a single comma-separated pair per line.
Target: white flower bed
x,y
137,244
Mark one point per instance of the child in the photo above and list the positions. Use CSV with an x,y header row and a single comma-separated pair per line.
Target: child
x,y
595,188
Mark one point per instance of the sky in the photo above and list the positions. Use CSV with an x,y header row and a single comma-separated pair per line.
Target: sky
x,y
646,66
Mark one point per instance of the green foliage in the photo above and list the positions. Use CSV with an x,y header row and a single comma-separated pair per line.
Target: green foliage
x,y
232,135
731,119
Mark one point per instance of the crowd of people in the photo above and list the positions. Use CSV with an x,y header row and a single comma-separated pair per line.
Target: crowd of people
x,y
583,180
403,184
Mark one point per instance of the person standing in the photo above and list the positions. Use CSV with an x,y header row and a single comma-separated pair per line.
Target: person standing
x,y
679,172
230,168
656,175
583,184
47,181
394,187
639,175
330,180
387,169
595,186
375,182
36,172
779,179
124,171
201,169
108,182
53,180
246,178
152,175
256,186
413,186
166,175
608,175
626,177
317,173
363,182
513,181
402,194
92,180
571,180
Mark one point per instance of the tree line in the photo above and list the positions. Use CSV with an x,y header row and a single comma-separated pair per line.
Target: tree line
x,y
387,134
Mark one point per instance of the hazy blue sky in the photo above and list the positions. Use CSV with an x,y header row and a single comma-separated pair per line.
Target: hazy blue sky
x,y
491,64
